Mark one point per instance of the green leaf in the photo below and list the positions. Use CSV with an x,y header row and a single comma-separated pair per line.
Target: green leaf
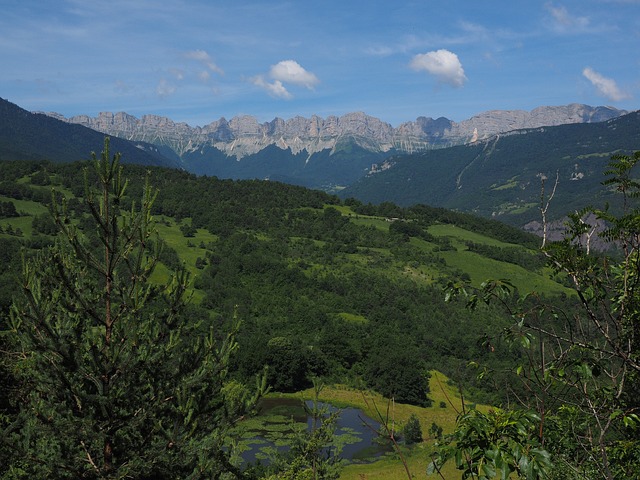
x,y
489,470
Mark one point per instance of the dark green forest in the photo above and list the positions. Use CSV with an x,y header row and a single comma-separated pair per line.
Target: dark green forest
x,y
263,283
296,271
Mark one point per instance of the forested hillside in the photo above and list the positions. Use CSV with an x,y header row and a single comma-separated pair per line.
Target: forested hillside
x,y
291,284
502,177
354,290
31,136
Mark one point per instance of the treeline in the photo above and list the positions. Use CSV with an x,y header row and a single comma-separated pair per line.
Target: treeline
x,y
222,206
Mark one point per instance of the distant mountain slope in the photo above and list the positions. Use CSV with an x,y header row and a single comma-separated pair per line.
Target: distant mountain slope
x,y
243,136
501,177
29,136
319,152
342,165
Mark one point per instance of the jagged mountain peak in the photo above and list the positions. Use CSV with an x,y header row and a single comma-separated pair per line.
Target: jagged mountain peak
x,y
244,135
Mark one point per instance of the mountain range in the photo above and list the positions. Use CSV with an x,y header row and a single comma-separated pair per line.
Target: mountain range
x,y
489,165
244,135
503,177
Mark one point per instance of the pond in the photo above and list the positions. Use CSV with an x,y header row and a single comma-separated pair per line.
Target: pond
x,y
266,434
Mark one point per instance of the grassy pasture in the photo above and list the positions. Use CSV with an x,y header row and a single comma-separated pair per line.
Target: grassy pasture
x,y
511,183
343,209
188,250
460,235
58,188
26,207
23,223
377,222
481,268
379,408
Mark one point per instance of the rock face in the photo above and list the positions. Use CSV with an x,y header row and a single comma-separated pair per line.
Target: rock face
x,y
244,135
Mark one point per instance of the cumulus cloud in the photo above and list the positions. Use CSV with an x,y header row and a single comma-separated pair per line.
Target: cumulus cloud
x,y
275,88
290,71
285,72
442,64
204,58
606,86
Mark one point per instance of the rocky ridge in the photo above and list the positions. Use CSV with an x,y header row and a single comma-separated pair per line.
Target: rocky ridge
x,y
244,135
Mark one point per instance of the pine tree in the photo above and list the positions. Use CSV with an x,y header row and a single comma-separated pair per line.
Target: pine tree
x,y
118,376
412,430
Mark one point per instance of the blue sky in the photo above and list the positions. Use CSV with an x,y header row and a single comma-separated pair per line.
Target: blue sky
x,y
195,61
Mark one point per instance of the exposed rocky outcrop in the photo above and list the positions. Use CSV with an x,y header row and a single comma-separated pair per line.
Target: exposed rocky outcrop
x,y
244,135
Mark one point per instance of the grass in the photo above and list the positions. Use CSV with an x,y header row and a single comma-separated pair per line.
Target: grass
x,y
509,184
374,405
376,222
26,207
460,235
478,267
520,208
481,268
343,209
23,223
188,249
67,193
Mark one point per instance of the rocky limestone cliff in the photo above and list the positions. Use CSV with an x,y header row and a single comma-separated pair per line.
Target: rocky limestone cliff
x,y
244,135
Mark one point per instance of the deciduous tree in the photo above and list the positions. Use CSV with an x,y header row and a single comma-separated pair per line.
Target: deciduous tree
x,y
583,364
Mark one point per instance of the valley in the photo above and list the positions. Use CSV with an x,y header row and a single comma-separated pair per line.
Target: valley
x,y
481,165
272,290
322,288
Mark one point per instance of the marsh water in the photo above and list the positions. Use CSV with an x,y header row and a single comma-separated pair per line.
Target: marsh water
x,y
355,437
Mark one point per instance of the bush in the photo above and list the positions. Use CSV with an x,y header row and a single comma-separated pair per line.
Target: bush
x,y
435,431
412,430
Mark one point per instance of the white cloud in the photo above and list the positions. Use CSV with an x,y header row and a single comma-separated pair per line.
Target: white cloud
x,y
290,71
165,89
442,64
275,89
606,86
285,72
564,21
204,58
